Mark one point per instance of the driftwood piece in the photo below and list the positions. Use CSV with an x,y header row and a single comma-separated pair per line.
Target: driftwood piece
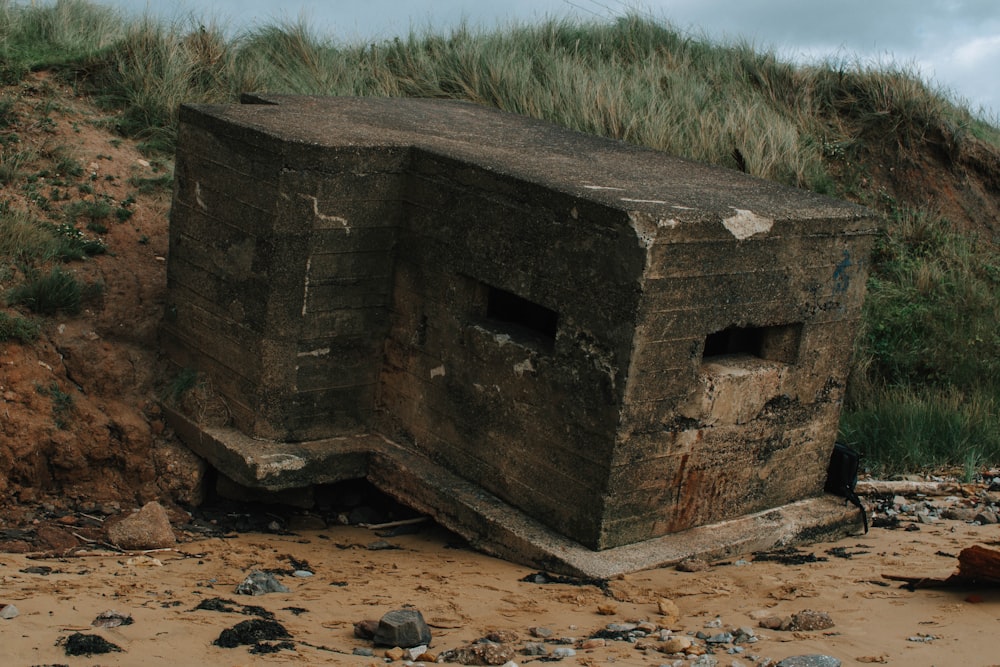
x,y
977,566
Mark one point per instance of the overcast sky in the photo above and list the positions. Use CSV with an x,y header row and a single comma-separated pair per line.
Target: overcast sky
x,y
953,43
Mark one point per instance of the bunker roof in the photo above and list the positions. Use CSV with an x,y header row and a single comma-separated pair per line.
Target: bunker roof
x,y
611,173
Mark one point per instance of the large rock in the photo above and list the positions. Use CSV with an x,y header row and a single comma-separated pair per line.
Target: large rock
x,y
404,628
149,528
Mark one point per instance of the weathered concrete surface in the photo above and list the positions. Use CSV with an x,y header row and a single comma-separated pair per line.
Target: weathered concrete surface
x,y
495,527
619,344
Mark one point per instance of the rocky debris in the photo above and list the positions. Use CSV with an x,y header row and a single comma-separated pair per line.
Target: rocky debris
x,y
976,504
88,645
8,611
260,583
149,528
404,628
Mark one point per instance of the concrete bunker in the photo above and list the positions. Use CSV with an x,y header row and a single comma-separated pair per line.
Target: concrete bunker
x,y
572,351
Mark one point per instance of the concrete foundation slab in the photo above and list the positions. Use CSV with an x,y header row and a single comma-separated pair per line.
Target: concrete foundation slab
x,y
488,523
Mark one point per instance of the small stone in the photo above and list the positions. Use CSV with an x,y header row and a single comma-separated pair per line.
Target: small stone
x,y
721,638
692,565
302,574
647,627
380,545
403,627
621,627
593,643
772,622
260,583
534,648
540,632
415,652
696,649
364,652
502,636
427,656
986,517
675,645
900,502
149,528
394,654
714,623
563,652
808,620
8,611
705,661
926,518
814,660
669,611
959,514
365,629
607,609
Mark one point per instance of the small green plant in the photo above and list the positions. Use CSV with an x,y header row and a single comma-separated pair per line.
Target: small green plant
x,y
93,210
185,380
97,227
69,166
62,403
17,328
73,244
13,162
49,293
148,186
8,115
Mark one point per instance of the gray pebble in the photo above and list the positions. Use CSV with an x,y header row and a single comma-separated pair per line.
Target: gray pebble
x,y
260,583
721,638
534,648
8,611
705,661
621,627
302,574
364,652
815,660
986,517
563,652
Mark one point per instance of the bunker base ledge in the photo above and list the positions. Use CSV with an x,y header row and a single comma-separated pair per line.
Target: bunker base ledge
x,y
488,523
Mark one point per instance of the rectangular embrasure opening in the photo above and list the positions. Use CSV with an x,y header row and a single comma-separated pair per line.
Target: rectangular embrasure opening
x,y
521,319
775,343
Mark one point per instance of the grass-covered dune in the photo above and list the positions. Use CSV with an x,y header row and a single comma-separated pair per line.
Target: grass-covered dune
x,y
925,387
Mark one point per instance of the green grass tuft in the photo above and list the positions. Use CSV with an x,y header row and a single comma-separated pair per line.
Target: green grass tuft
x,y
49,293
18,329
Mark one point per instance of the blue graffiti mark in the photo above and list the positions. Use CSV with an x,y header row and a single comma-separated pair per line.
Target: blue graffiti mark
x,y
841,277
